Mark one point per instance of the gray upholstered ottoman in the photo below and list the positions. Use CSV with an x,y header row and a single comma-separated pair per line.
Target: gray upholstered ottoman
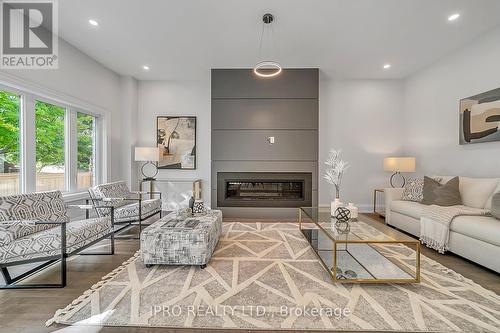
x,y
178,239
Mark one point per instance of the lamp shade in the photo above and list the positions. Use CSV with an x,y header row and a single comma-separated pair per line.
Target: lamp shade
x,y
399,164
147,154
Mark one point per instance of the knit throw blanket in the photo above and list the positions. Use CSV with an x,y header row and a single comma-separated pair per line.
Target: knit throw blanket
x,y
435,224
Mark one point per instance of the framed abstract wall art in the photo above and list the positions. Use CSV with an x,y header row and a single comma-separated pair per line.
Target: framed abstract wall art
x,y
176,138
480,118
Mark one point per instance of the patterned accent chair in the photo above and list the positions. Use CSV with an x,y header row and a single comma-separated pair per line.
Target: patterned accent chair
x,y
35,227
130,207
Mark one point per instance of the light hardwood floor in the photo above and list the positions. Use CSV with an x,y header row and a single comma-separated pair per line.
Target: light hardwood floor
x,y
27,310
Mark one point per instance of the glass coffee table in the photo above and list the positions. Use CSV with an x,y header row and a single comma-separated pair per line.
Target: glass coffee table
x,y
356,252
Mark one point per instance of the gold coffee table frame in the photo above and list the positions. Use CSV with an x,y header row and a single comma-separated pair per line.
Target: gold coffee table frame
x,y
333,272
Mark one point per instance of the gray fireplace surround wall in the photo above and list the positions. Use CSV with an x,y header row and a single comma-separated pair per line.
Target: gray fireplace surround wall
x,y
246,111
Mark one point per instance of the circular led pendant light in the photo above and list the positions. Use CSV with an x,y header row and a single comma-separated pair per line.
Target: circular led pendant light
x,y
266,68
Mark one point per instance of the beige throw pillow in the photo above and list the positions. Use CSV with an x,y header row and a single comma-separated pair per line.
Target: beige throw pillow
x,y
447,194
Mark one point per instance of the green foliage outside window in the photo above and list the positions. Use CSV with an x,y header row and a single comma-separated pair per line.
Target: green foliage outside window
x,y
85,124
49,121
9,127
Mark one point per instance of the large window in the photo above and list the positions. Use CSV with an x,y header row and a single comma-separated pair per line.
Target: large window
x,y
86,150
10,154
50,166
46,144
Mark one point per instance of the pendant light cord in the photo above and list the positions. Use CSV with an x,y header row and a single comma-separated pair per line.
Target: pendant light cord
x,y
267,32
261,39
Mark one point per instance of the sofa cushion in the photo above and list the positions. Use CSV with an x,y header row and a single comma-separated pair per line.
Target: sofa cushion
x,y
45,206
447,194
483,228
131,211
476,192
11,230
18,213
111,190
408,208
48,242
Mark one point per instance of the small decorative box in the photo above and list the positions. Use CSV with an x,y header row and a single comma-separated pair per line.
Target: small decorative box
x,y
199,208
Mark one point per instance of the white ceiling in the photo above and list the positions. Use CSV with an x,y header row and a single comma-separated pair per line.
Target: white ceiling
x,y
184,39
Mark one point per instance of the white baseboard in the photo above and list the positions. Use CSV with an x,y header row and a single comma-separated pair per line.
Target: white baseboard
x,y
365,208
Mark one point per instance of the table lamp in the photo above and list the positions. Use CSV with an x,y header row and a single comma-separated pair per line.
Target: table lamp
x,y
398,165
149,155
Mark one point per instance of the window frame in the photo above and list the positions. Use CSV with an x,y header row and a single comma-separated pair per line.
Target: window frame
x,y
96,150
27,140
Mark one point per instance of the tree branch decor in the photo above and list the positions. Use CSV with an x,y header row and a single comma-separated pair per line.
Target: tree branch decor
x,y
335,170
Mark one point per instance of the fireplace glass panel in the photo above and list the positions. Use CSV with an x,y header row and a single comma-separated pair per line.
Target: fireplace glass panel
x,y
265,190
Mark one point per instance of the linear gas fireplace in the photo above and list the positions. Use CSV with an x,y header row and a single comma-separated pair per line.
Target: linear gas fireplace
x,y
264,189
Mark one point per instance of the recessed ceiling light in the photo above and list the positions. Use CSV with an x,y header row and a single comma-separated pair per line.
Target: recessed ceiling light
x,y
93,22
453,17
145,67
387,66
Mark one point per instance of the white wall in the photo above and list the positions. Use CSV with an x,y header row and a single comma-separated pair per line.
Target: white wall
x,y
372,119
368,119
431,117
364,119
129,119
78,76
188,98
83,81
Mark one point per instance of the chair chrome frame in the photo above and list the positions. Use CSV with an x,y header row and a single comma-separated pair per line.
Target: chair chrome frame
x,y
11,282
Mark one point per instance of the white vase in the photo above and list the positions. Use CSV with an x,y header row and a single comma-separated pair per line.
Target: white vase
x,y
354,211
334,205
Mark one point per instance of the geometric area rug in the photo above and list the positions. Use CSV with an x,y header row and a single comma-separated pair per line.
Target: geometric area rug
x,y
265,276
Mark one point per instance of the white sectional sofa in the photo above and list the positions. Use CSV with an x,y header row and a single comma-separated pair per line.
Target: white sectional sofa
x,y
476,238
